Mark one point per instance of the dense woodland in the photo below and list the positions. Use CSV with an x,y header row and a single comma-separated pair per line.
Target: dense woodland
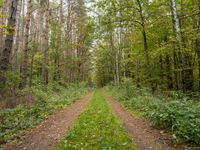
x,y
44,41
145,53
155,43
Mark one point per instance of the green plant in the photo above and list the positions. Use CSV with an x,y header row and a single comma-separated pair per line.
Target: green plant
x,y
14,122
176,114
129,88
13,80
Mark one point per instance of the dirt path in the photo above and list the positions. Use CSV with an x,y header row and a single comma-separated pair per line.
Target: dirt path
x,y
46,135
143,135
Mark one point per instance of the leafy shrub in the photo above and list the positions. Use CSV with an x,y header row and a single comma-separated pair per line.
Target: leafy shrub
x,y
178,115
129,88
14,122
13,80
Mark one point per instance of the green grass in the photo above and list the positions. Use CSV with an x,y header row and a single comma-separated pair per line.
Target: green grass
x,y
97,129
14,122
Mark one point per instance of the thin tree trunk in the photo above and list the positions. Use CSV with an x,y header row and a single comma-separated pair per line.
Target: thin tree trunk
x,y
59,41
26,43
1,29
196,26
34,46
146,52
44,64
15,65
23,24
168,72
31,63
39,24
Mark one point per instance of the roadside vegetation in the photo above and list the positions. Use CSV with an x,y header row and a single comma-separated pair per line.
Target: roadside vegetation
x,y
176,113
97,128
15,121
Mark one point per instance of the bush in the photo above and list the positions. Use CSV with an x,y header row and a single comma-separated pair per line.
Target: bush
x,y
13,80
129,88
182,118
177,115
14,122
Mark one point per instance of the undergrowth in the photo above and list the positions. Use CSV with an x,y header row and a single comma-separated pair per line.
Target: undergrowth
x,y
177,114
14,122
97,129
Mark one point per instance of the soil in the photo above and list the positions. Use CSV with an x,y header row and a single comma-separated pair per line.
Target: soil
x,y
47,134
142,133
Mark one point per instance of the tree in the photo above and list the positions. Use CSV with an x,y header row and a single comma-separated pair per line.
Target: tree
x,y
26,44
46,44
8,42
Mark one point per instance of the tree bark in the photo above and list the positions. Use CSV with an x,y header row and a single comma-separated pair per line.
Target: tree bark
x,y
196,26
8,43
178,56
39,24
26,43
15,65
146,52
44,64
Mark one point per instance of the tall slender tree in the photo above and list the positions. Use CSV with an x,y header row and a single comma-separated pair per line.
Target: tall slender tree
x,y
26,44
46,44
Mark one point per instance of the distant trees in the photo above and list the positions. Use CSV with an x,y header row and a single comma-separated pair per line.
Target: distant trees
x,y
51,42
156,43
160,48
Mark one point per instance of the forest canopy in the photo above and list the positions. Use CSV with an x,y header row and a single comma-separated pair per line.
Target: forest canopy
x,y
154,43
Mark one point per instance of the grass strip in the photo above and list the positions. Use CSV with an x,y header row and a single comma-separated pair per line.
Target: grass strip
x,y
97,129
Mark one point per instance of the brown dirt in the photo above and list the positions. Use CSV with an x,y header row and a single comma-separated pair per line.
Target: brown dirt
x,y
143,135
11,99
46,135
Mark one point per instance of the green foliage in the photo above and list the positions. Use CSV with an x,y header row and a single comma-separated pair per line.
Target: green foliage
x,y
143,34
97,128
1,3
128,85
13,80
14,122
180,117
176,113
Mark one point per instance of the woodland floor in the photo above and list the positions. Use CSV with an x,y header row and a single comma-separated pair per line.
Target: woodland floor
x,y
50,132
46,135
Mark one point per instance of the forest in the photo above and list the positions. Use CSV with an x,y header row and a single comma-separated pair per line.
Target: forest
x,y
100,74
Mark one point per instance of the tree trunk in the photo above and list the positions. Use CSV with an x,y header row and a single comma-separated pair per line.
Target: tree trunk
x,y
59,41
26,43
68,52
196,26
178,55
168,72
15,65
33,48
44,64
187,63
1,29
8,43
39,24
146,52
